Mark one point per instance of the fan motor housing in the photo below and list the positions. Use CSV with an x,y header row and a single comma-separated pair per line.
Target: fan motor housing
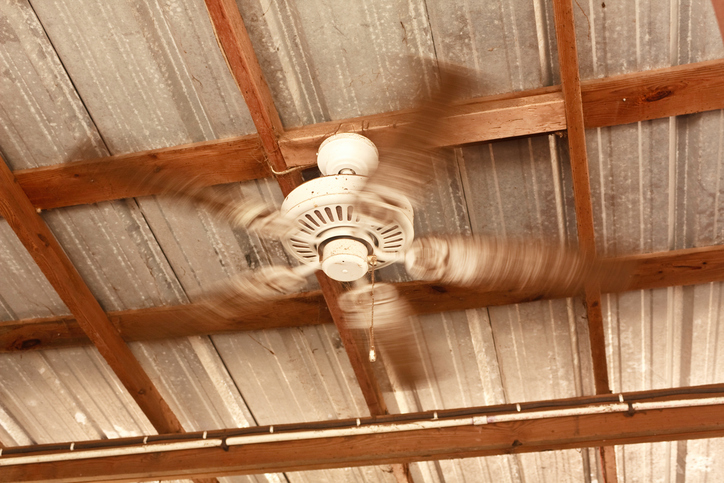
x,y
323,211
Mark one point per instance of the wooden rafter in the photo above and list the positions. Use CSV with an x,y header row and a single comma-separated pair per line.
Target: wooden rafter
x,y
576,130
719,13
653,270
570,77
238,51
84,182
610,101
67,282
683,418
234,41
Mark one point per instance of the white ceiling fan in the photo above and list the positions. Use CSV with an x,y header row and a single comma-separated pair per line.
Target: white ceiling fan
x,y
358,217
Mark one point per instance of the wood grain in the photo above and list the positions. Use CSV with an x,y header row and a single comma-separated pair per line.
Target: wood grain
x,y
67,282
103,179
597,339
568,58
607,455
475,120
236,45
654,94
696,88
544,434
576,131
654,270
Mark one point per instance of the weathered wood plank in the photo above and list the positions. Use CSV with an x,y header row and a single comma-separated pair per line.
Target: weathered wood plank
x,y
103,179
570,77
482,119
576,130
640,96
67,282
607,454
236,45
655,270
659,93
469,440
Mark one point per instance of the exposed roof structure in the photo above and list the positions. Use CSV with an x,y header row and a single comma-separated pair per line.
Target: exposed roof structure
x,y
596,125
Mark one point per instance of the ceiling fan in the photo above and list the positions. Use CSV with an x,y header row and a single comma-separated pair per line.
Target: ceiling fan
x,y
358,217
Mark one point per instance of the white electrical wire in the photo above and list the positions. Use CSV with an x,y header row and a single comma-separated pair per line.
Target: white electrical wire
x,y
104,452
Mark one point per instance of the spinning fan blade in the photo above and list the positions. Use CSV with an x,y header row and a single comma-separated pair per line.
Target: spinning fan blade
x,y
230,298
405,166
393,335
252,213
509,264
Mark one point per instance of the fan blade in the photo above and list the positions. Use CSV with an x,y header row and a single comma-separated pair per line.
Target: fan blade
x,y
405,166
230,298
509,264
252,213
393,334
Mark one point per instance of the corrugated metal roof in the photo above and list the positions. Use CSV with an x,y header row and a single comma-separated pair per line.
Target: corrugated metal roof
x,y
655,186
87,79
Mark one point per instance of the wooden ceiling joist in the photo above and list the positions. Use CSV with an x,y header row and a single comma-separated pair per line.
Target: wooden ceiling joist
x,y
609,101
654,270
239,53
576,131
92,181
649,416
234,41
67,282
576,134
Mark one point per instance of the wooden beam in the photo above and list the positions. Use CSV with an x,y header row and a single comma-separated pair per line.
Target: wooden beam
x,y
607,456
164,323
568,59
482,119
660,93
92,181
654,270
234,41
358,358
576,130
236,46
719,12
465,439
641,96
65,279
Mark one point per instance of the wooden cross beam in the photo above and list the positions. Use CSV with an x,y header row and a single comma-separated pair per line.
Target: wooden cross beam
x,y
654,270
576,130
609,101
236,45
647,416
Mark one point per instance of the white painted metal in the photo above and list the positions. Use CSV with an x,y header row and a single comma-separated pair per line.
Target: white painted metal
x,y
347,151
323,209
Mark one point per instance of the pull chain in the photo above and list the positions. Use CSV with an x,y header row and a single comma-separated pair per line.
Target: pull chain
x,y
372,260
